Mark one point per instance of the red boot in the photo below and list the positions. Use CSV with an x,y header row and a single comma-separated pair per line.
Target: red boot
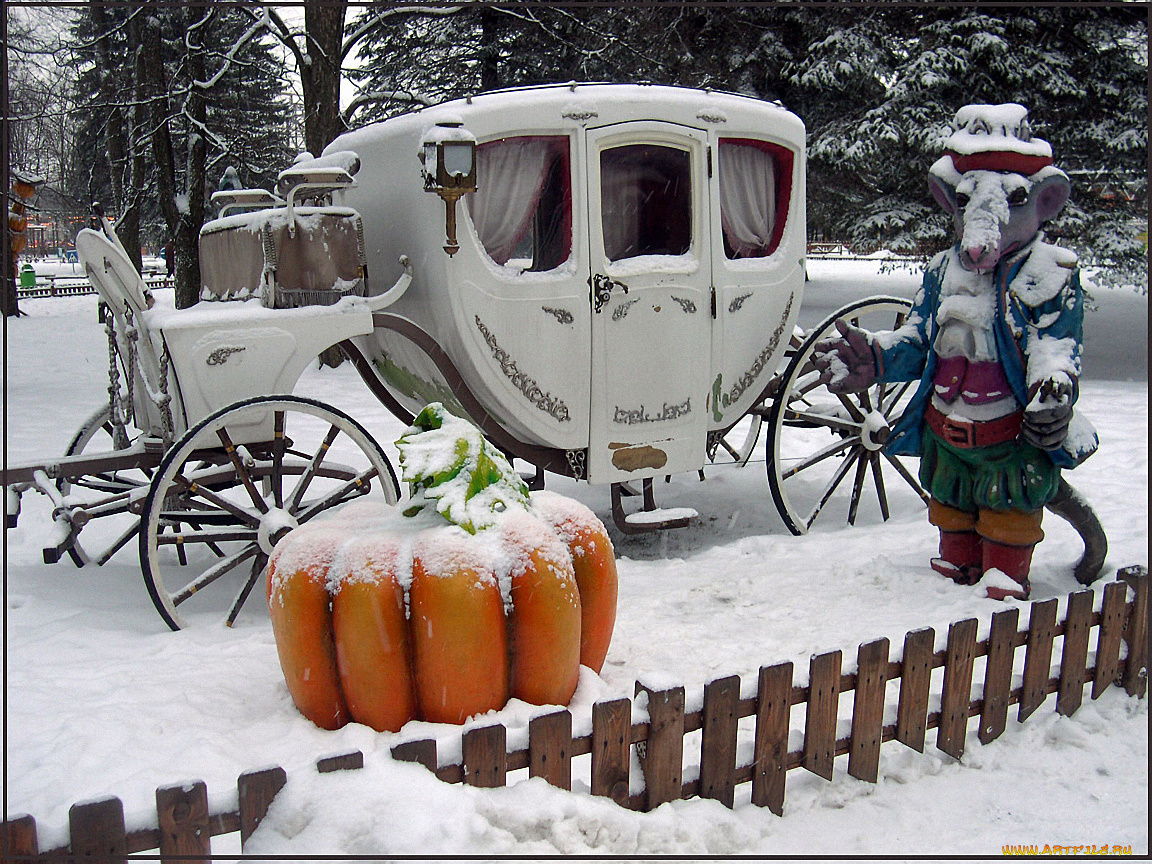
x,y
1014,562
960,557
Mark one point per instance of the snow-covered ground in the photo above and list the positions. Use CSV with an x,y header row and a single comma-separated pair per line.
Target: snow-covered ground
x,y
101,699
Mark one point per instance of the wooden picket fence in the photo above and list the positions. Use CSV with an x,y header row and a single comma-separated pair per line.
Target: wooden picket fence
x,y
185,825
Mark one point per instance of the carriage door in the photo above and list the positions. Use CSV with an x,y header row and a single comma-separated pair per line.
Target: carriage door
x,y
650,292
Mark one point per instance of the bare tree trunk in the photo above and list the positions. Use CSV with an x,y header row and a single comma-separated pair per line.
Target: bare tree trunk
x,y
489,49
128,227
187,240
320,74
182,219
8,301
155,94
115,138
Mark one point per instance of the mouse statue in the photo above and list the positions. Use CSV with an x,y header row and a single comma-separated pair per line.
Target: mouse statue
x,y
993,338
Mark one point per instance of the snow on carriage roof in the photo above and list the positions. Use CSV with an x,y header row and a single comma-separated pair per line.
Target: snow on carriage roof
x,y
563,106
995,128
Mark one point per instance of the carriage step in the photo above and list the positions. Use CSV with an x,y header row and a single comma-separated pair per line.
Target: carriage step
x,y
651,517
662,517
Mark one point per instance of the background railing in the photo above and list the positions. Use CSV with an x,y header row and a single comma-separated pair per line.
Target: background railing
x,y
69,286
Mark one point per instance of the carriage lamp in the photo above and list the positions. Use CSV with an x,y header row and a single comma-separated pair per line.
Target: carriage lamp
x,y
449,157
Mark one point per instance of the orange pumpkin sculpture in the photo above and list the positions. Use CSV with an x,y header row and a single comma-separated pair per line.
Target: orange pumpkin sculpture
x,y
476,593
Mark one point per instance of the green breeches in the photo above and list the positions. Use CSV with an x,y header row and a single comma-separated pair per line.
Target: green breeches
x,y
1013,475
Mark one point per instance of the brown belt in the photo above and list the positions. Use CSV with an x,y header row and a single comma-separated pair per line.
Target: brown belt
x,y
968,433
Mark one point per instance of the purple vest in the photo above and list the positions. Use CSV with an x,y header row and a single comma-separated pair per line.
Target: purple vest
x,y
975,381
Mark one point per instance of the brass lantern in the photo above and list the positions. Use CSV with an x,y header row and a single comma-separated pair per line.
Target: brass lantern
x,y
449,158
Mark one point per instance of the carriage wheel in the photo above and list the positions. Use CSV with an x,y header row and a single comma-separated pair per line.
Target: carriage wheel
x,y
216,509
824,445
119,493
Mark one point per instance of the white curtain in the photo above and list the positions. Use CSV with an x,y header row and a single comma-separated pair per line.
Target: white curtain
x,y
747,198
620,203
509,177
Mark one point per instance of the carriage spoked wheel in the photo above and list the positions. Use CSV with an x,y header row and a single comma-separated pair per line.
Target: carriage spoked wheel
x,y
115,495
824,445
216,508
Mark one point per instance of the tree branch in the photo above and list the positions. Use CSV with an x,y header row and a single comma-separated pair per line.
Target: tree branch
x,y
256,27
379,17
363,99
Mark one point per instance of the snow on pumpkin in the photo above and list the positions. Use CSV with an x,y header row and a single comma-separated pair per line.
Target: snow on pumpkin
x,y
475,593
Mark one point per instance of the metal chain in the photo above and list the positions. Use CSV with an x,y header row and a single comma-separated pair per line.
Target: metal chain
x,y
132,334
119,434
165,400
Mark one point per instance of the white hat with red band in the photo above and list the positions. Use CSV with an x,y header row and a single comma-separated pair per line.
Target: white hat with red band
x,y
996,138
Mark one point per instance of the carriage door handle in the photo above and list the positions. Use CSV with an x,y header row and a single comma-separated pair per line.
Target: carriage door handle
x,y
601,287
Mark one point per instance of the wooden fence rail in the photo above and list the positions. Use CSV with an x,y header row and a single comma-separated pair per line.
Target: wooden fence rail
x,y
184,824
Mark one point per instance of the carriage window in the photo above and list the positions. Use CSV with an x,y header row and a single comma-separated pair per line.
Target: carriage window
x,y
522,207
645,201
755,187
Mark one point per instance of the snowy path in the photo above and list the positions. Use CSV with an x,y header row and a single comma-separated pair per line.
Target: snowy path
x,y
102,699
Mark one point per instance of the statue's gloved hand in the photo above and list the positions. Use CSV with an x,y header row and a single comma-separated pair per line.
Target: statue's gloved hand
x,y
1046,417
847,364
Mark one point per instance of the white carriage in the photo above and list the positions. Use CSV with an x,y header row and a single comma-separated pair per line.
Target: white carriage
x,y
623,287
604,278
615,299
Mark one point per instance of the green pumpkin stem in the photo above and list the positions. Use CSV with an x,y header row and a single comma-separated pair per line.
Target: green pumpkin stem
x,y
455,471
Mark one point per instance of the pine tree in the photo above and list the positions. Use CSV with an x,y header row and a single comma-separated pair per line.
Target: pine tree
x,y
1076,69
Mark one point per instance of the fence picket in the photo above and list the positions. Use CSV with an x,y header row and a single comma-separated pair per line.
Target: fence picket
x,y
915,684
96,829
550,748
422,752
770,752
257,790
611,745
998,674
1074,656
868,710
957,696
484,754
342,762
662,759
1136,632
820,723
1038,657
182,814
718,741
20,836
1108,637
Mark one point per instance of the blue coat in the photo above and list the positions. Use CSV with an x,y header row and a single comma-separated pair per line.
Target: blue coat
x,y
1038,328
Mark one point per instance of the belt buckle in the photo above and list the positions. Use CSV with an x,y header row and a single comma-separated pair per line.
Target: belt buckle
x,y
958,434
